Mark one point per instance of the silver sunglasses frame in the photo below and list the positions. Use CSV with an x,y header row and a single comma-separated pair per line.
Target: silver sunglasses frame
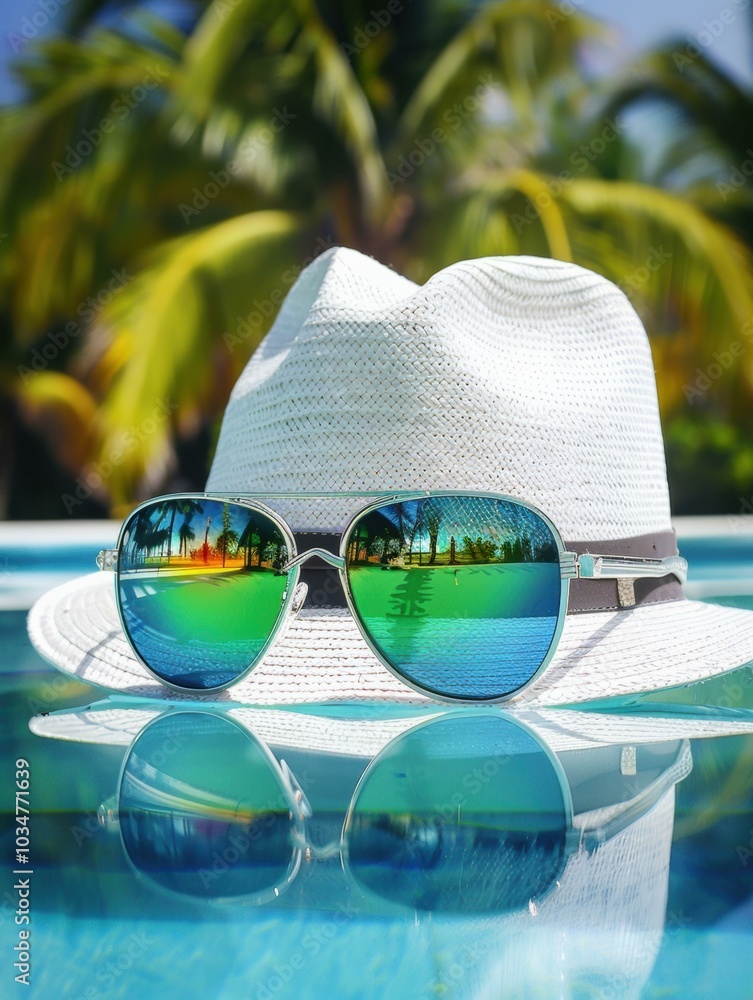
x,y
582,832
283,618
108,814
572,566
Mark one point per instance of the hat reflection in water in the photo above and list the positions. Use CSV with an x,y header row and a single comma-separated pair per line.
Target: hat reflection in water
x,y
517,375
588,914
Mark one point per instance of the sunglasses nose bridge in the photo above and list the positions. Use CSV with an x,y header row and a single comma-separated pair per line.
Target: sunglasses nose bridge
x,y
295,793
328,557
321,567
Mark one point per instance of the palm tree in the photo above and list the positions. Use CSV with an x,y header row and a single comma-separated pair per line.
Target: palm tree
x,y
705,153
227,543
269,132
140,535
431,519
184,506
248,541
186,535
257,537
227,536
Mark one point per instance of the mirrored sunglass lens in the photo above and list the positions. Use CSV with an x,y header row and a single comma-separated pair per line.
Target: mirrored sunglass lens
x,y
202,811
460,815
461,594
201,588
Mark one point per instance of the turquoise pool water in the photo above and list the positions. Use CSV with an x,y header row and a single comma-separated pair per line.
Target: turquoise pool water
x,y
424,880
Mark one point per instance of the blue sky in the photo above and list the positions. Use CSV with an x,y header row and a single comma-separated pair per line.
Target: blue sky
x,y
638,24
642,23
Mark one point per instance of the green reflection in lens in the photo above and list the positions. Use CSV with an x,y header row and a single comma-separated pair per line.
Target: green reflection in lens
x,y
201,588
202,811
461,594
464,814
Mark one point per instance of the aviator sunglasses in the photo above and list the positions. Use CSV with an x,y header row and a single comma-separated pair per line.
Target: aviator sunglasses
x,y
462,595
460,813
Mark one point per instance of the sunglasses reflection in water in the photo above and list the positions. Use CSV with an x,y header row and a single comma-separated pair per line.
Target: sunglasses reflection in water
x,y
466,813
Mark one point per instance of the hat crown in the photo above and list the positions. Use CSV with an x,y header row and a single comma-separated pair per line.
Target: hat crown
x,y
519,375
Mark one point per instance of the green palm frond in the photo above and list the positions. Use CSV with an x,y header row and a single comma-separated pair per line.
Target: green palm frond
x,y
63,75
177,334
280,43
56,258
61,407
689,276
340,101
536,189
176,338
704,94
223,33
642,214
55,214
517,41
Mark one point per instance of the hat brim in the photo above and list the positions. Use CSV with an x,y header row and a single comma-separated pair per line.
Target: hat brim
x,y
323,658
346,735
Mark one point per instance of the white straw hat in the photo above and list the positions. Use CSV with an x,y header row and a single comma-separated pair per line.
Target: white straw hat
x,y
600,924
117,722
518,375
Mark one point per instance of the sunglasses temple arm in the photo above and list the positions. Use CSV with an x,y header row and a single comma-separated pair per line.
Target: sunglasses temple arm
x,y
107,559
594,830
595,567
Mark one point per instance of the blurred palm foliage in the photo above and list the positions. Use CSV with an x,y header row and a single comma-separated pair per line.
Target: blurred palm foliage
x,y
163,183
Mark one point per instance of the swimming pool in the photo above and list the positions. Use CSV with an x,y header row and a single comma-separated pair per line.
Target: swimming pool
x,y
628,874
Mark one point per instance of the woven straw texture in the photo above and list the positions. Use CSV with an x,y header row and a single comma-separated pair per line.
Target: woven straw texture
x,y
346,736
520,375
601,926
